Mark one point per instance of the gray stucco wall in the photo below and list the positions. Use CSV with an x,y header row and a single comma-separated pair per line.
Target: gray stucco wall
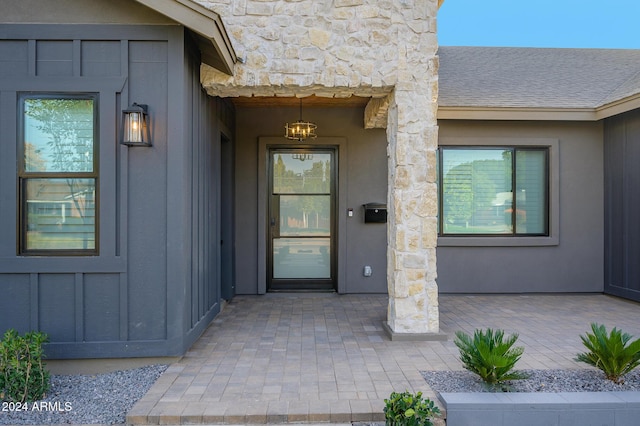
x,y
364,176
571,261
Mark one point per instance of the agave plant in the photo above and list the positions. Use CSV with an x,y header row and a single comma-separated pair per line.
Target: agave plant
x,y
489,355
612,353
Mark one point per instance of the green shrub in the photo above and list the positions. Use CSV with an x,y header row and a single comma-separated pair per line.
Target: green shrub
x,y
610,353
407,409
23,377
489,355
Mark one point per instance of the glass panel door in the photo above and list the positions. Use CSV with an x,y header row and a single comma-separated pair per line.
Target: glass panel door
x,y
301,219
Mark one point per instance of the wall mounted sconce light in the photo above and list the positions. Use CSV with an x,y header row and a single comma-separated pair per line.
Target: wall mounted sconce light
x,y
300,130
135,126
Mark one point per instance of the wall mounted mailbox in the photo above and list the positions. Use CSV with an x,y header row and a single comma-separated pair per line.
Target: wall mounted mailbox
x,y
375,213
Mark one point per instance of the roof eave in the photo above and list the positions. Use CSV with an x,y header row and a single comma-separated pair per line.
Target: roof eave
x,y
610,109
215,44
618,107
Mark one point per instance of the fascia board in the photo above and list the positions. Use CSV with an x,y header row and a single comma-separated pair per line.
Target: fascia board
x,y
517,114
200,20
618,107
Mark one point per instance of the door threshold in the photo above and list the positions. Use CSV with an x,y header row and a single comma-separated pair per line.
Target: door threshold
x,y
302,290
306,294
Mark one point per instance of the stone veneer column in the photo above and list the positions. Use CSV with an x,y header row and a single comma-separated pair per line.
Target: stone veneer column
x,y
412,135
380,49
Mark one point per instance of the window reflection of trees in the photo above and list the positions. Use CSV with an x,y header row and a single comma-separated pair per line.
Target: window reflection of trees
x,y
470,191
59,139
304,194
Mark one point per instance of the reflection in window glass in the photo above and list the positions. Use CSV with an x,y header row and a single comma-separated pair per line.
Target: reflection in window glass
x,y
301,258
58,175
476,191
301,173
531,194
58,135
305,215
60,214
481,194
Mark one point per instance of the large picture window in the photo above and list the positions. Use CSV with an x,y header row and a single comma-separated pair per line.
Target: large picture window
x,y
58,174
486,191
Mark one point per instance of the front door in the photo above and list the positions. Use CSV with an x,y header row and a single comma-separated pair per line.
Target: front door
x,y
301,219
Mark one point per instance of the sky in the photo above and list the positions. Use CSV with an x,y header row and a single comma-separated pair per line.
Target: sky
x,y
611,24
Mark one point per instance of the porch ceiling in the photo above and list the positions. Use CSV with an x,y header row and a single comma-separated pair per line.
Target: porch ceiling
x,y
292,101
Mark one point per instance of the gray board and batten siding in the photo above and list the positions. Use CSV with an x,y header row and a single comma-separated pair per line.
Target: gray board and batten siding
x,y
622,205
154,284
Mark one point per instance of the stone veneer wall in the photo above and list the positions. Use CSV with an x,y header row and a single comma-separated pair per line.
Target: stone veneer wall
x,y
376,48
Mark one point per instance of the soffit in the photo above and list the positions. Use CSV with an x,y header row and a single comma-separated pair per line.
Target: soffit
x,y
292,101
212,38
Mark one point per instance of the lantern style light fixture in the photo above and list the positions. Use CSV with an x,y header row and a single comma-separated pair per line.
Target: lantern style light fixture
x,y
300,130
302,156
135,126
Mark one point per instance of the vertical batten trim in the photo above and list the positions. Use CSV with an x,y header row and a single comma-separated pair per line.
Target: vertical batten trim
x,y
33,58
79,306
34,302
124,307
76,58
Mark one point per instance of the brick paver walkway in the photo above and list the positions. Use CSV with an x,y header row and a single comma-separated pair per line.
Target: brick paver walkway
x,y
317,358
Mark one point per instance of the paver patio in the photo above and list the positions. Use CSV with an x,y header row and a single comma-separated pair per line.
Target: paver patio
x,y
317,358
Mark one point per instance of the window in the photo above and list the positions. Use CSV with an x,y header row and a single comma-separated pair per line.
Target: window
x,y
58,174
486,191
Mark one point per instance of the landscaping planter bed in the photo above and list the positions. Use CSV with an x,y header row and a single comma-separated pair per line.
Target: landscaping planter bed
x,y
549,397
548,409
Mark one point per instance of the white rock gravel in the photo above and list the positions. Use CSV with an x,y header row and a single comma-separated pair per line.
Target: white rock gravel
x,y
85,399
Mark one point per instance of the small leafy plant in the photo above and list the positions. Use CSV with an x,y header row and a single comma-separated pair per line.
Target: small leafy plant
x,y
612,353
23,377
407,409
489,355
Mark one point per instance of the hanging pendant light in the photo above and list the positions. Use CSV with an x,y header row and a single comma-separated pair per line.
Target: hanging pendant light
x,y
300,130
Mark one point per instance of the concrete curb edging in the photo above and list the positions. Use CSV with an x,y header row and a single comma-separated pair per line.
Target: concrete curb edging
x,y
550,409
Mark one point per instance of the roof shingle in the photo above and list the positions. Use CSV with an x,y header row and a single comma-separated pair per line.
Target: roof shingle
x,y
510,77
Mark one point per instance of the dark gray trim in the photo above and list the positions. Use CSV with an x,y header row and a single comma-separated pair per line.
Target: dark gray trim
x,y
34,301
79,306
8,176
92,264
128,349
63,84
85,32
177,230
123,294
